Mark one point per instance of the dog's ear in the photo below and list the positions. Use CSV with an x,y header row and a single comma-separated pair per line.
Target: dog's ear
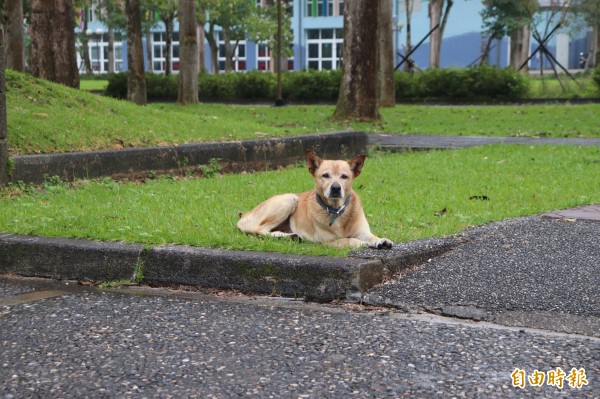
x,y
312,161
356,164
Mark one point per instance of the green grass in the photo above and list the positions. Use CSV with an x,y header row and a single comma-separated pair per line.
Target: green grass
x,y
402,193
44,118
548,86
93,85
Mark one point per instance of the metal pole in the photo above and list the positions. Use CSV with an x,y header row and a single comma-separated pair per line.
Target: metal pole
x,y
278,100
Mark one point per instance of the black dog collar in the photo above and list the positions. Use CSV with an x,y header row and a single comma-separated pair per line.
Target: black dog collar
x,y
335,212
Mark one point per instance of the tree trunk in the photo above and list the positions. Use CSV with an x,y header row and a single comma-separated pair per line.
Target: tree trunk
x,y
42,57
136,79
358,90
169,43
596,47
111,49
214,48
65,53
228,52
409,9
385,42
149,53
3,140
187,92
53,54
519,47
14,50
200,38
435,17
84,41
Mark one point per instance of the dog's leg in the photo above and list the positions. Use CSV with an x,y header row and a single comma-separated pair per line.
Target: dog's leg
x,y
372,241
268,215
346,242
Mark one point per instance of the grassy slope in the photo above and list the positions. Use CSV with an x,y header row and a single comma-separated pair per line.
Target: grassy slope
x,y
401,194
45,117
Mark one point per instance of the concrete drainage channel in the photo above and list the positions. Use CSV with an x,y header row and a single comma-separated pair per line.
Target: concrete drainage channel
x,y
311,277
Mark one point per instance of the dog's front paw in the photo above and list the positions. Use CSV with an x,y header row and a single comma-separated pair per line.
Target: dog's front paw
x,y
382,243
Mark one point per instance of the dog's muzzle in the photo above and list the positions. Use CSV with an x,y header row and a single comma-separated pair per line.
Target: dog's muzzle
x,y
335,191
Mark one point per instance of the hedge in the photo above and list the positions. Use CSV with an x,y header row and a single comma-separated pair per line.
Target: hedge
x,y
448,84
596,77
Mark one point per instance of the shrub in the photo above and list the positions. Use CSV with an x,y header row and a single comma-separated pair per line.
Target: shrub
x,y
160,87
256,85
478,83
596,77
407,86
117,85
218,87
449,84
311,85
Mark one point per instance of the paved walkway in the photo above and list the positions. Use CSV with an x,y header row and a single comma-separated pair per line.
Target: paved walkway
x,y
423,142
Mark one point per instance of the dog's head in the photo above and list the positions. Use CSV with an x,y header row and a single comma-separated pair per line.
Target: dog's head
x,y
333,179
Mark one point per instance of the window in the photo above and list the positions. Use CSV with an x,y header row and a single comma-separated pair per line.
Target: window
x,y
159,52
239,56
324,8
263,57
324,48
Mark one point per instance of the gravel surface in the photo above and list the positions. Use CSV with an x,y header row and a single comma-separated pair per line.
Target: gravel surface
x,y
98,344
519,265
8,289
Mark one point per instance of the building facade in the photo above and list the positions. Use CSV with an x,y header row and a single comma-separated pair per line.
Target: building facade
x,y
317,27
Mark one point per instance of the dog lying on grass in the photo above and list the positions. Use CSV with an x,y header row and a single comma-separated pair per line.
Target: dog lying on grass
x,y
331,214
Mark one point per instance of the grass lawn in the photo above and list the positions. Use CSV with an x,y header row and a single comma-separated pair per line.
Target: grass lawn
x,y
402,194
547,86
44,118
93,85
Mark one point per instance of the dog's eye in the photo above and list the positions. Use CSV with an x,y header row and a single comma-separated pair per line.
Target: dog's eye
x,y
325,176
344,177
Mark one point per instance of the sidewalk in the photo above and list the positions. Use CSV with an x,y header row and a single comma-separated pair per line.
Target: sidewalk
x,y
429,142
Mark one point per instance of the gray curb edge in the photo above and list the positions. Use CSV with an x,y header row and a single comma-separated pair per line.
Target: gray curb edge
x,y
314,278
233,156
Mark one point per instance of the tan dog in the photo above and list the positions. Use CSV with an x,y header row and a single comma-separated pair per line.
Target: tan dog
x,y
331,213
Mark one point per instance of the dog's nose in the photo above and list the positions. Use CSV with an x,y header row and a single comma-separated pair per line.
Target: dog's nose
x,y
335,191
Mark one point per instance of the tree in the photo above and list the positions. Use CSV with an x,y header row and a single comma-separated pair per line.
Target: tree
x,y
358,89
112,14
14,50
42,57
408,7
53,54
438,15
167,12
262,28
232,16
513,18
65,51
136,78
84,50
187,92
385,49
3,140
590,11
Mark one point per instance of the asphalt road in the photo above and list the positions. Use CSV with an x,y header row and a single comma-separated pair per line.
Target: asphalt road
x,y
535,272
61,340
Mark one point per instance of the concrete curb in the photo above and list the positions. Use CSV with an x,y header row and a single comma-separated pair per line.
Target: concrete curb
x,y
63,258
315,278
239,155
